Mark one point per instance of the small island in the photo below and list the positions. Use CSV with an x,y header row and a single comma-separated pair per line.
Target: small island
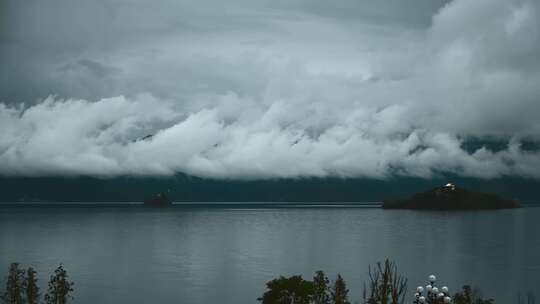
x,y
450,197
158,200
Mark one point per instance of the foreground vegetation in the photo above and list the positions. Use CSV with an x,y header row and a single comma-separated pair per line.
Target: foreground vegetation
x,y
384,286
22,287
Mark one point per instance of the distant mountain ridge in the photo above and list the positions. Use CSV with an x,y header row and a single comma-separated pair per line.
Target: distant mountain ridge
x,y
185,188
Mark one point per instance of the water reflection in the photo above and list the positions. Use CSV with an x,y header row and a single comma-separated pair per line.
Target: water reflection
x,y
226,255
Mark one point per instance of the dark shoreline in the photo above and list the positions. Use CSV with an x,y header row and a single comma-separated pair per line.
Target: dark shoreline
x,y
262,206
224,205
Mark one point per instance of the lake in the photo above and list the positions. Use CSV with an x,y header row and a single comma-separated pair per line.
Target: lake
x,y
220,254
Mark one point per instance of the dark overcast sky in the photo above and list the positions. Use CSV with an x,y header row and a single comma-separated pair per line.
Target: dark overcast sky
x,y
258,89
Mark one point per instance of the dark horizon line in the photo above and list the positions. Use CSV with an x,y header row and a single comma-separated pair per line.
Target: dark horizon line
x,y
224,204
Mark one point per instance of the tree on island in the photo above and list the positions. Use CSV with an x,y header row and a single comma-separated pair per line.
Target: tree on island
x,y
321,288
30,287
14,285
292,290
386,286
60,288
339,291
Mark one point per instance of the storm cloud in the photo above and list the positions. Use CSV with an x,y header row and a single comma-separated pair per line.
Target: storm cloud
x,y
257,89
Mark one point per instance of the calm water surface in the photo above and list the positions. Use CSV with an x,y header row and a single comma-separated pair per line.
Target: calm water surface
x,y
222,255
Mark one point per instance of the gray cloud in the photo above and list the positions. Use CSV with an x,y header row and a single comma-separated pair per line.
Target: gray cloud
x,y
256,89
96,68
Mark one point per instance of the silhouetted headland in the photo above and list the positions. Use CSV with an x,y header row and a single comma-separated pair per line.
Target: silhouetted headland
x,y
450,197
158,200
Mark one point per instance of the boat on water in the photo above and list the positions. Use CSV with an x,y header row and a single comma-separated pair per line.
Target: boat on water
x,y
158,200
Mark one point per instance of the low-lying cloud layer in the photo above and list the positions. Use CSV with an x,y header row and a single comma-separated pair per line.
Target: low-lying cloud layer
x,y
287,89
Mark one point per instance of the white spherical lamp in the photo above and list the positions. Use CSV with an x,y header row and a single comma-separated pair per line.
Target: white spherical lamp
x,y
444,289
447,300
420,289
435,290
428,288
422,299
432,278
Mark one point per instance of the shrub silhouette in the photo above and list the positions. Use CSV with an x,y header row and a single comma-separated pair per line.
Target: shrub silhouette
x,y
288,291
340,291
471,296
30,287
14,285
321,288
60,289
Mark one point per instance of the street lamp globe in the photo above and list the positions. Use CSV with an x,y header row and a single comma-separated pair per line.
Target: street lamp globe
x,y
433,295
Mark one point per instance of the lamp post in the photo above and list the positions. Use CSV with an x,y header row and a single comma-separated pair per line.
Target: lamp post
x,y
432,294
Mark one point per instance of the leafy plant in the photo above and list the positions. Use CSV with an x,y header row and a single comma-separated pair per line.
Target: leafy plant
x,y
60,289
30,287
14,285
471,296
292,290
340,292
321,288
